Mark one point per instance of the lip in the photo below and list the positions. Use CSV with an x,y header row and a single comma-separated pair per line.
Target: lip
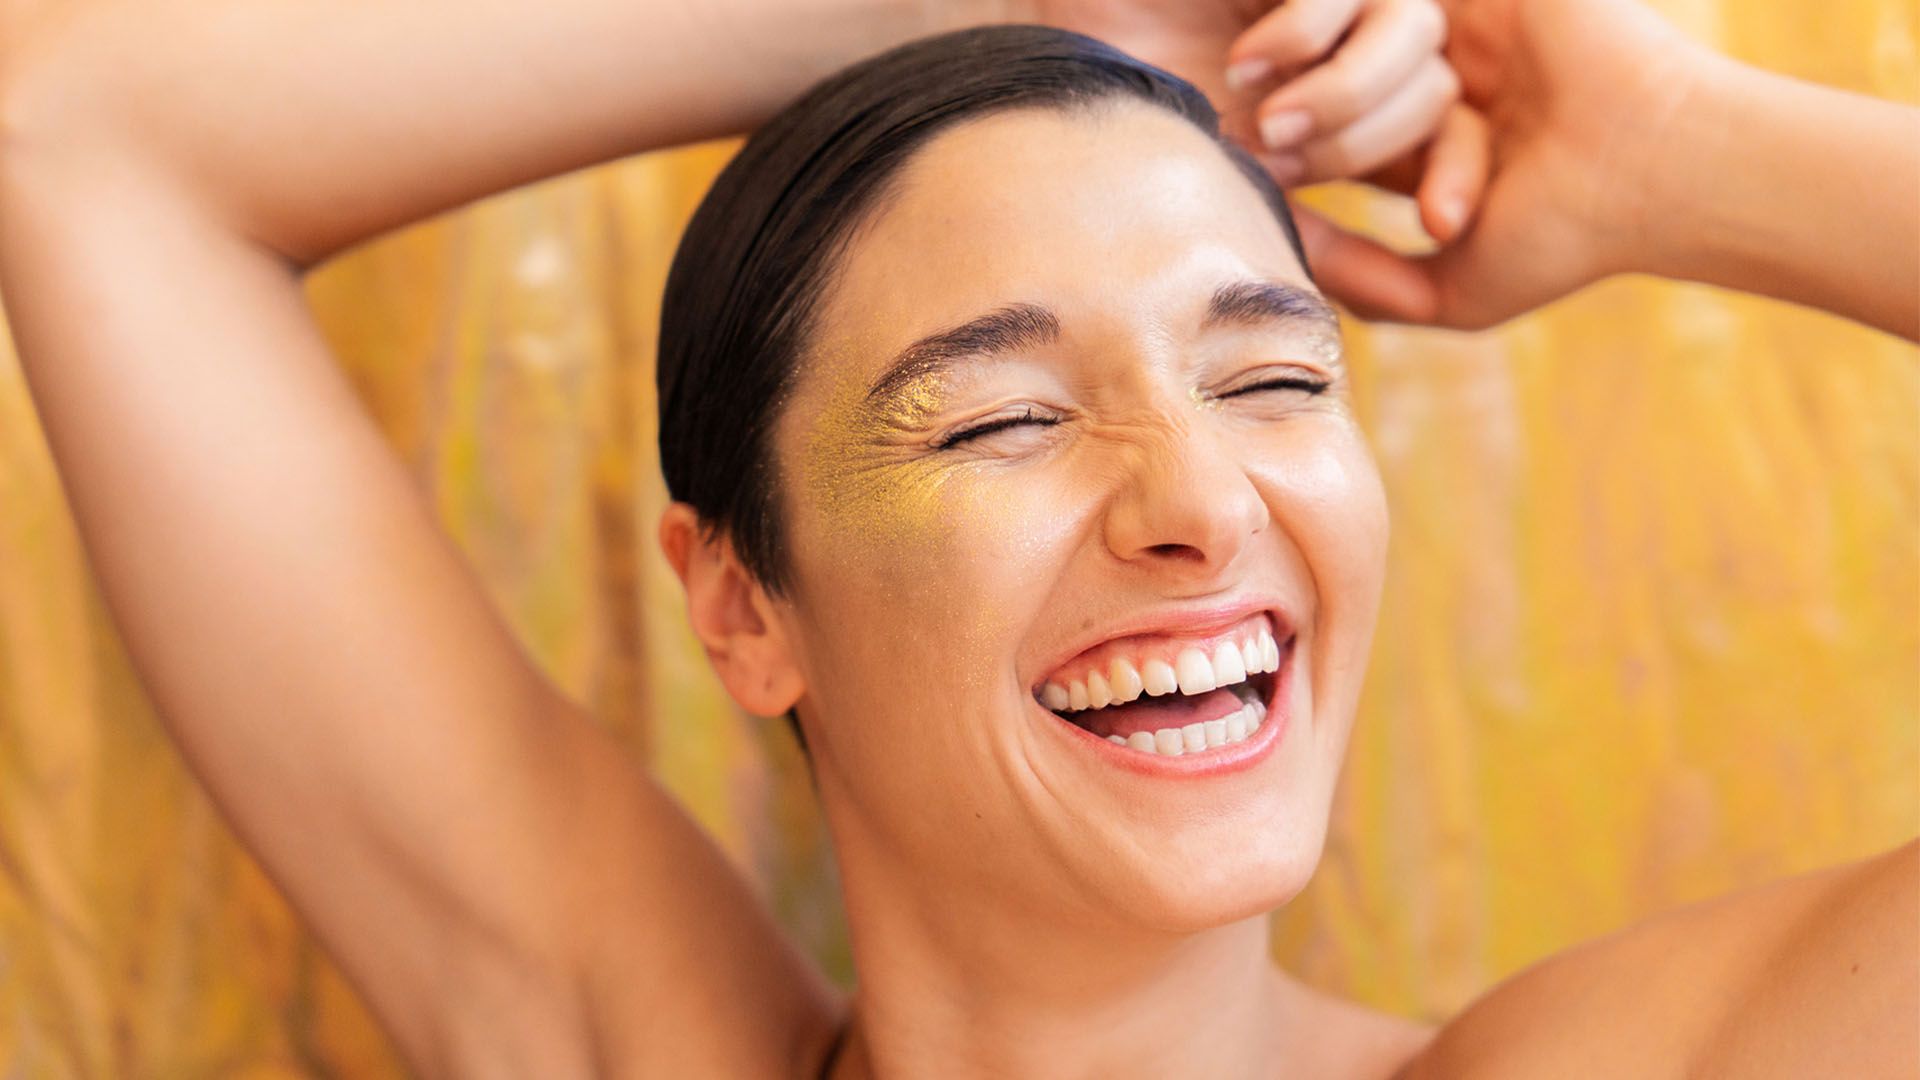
x,y
1220,761
1183,622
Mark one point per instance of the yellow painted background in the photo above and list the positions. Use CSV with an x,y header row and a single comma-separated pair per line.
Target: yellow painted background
x,y
1652,628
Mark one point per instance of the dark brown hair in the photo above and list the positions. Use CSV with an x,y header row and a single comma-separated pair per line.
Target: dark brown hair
x,y
759,252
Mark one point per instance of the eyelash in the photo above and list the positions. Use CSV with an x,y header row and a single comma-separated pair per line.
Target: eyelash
x,y
997,424
1284,382
1289,382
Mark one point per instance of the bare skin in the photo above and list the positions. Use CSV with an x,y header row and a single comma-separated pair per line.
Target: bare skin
x,y
507,889
1814,975
1616,145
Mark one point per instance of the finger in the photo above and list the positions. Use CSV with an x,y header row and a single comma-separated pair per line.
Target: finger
x,y
1374,281
1405,120
1465,147
1401,175
1293,35
1386,49
1457,164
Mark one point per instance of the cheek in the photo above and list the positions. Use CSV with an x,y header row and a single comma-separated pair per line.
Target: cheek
x,y
916,595
1327,496
928,574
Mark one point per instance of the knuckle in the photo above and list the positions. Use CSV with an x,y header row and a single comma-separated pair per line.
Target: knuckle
x,y
1290,43
1323,34
1430,21
1342,97
1308,34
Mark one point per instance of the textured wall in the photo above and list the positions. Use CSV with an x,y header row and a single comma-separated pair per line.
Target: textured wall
x,y
1652,628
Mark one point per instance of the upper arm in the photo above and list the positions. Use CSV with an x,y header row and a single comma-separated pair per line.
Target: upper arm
x,y
326,662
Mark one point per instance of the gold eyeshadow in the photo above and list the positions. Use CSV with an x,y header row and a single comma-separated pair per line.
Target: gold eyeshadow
x,y
862,465
854,467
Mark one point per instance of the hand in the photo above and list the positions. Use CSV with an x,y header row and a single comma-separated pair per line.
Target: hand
x,y
1574,94
1321,89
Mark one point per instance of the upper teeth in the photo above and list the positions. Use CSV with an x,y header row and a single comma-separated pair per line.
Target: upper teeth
x,y
1192,671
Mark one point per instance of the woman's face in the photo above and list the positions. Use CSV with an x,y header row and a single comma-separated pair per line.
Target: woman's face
x,y
1074,416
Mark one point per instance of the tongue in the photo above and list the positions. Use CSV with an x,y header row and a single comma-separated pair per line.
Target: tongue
x,y
1151,714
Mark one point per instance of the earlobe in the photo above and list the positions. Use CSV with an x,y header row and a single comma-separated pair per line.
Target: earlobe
x,y
757,667
779,682
732,615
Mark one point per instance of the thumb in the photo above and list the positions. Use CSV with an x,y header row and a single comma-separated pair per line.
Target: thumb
x,y
1455,177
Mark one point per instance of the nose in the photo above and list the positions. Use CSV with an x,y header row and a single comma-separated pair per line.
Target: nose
x,y
1186,504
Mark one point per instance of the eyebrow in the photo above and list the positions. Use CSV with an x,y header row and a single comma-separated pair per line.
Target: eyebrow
x,y
1251,303
1025,326
1004,330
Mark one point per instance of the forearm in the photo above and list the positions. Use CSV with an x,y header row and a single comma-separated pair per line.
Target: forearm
x,y
310,126
1795,191
320,653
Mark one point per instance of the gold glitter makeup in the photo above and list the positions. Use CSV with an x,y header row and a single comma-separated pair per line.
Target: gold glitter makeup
x,y
864,465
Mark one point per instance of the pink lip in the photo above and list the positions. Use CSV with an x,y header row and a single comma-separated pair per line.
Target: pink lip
x,y
1192,622
1219,761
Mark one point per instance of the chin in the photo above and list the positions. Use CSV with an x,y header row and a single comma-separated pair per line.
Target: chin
x,y
1190,891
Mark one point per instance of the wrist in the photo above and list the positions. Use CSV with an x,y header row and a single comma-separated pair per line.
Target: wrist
x,y
960,14
925,18
1788,189
1671,126
808,40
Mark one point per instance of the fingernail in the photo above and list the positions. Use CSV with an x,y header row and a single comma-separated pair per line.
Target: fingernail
x,y
1284,168
1283,129
1453,213
1247,72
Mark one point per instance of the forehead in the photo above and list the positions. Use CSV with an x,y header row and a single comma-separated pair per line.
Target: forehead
x,y
1118,217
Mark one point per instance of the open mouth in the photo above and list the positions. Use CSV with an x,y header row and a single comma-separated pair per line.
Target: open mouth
x,y
1172,697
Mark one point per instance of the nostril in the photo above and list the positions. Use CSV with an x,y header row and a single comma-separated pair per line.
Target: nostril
x,y
1177,551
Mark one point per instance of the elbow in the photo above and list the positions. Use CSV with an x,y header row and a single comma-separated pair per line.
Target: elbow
x,y
59,93
29,136
27,105
104,105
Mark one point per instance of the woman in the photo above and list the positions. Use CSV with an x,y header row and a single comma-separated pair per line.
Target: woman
x,y
1068,574
1138,463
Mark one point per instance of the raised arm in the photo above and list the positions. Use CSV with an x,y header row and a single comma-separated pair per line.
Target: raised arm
x,y
506,889
1791,190
486,866
310,126
1621,146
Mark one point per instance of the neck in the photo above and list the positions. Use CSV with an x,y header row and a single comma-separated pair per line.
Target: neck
x,y
956,984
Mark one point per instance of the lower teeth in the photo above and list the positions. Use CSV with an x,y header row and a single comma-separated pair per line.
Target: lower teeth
x,y
1235,727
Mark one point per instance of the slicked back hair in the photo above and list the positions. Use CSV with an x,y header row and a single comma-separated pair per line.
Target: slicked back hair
x,y
754,262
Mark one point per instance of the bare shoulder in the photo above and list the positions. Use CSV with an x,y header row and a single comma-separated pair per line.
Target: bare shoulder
x,y
1817,974
1840,989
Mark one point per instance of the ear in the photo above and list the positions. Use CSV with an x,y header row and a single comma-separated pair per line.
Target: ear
x,y
732,615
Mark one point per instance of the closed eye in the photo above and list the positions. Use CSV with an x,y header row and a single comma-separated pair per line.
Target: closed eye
x,y
1303,383
998,423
